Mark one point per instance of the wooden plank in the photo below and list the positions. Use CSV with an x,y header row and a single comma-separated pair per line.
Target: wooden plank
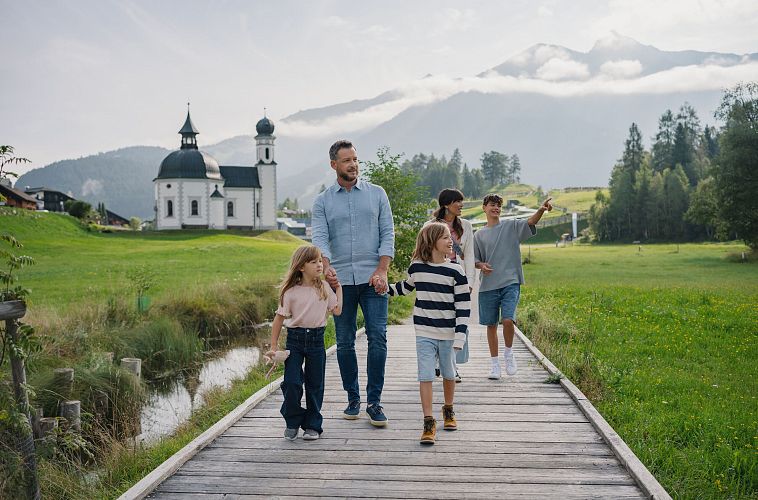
x,y
421,456
441,474
260,445
389,489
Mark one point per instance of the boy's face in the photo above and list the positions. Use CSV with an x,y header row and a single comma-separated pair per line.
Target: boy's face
x,y
492,209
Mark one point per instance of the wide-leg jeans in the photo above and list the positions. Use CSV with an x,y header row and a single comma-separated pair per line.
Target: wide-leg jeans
x,y
306,345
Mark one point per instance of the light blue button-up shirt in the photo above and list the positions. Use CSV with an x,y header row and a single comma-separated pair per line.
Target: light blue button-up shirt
x,y
353,229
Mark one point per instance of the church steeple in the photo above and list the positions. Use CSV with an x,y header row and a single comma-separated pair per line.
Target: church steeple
x,y
189,132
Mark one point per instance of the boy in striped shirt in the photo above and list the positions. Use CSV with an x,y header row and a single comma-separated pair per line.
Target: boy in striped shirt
x,y
440,318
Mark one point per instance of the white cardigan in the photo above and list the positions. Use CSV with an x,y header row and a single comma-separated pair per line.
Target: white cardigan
x,y
467,244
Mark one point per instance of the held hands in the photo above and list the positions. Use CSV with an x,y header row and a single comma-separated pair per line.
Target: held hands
x,y
485,268
331,277
379,282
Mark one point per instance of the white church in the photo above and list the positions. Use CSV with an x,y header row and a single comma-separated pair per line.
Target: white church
x,y
193,192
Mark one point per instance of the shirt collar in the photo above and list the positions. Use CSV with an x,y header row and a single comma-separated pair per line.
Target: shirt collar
x,y
360,185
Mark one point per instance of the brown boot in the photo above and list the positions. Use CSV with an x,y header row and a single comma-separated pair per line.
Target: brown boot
x,y
448,416
430,431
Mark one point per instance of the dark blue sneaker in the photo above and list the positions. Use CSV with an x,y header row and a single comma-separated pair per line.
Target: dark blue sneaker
x,y
376,415
352,411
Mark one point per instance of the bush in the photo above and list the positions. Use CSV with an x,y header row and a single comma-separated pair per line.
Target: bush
x,y
77,208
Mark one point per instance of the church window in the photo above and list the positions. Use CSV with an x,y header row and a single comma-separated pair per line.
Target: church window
x,y
258,209
230,209
267,153
194,208
169,208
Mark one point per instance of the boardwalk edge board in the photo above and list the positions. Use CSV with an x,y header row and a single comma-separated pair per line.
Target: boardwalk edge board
x,y
148,483
649,484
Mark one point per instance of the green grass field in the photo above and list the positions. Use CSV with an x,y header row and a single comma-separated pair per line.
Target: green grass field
x,y
663,339
74,266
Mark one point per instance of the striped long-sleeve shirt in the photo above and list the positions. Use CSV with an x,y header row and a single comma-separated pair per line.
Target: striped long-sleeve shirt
x,y
443,302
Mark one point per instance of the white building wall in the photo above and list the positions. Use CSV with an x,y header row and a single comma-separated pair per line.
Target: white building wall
x,y
197,190
243,207
164,193
216,209
267,200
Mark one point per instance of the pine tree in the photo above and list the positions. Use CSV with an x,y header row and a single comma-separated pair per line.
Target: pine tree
x,y
664,142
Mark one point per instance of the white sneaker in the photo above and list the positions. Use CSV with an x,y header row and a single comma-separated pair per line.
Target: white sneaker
x,y
510,364
494,372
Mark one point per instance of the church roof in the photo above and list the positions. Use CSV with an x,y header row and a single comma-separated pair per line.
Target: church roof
x,y
216,194
189,164
240,177
264,126
188,127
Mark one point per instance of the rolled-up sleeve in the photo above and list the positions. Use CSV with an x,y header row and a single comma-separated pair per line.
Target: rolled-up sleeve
x,y
320,228
386,226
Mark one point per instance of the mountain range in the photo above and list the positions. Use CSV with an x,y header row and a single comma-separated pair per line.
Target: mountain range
x,y
565,113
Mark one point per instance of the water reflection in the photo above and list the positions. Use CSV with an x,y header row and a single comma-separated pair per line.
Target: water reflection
x,y
171,405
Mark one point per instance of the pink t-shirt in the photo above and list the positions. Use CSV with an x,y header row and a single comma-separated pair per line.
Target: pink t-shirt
x,y
304,308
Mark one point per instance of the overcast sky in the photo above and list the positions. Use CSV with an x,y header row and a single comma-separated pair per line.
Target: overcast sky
x,y
81,77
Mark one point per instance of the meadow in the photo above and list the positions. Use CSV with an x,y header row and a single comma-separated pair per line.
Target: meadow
x,y
663,340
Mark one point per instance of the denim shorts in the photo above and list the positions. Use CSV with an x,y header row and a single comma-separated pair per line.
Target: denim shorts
x,y
428,351
499,304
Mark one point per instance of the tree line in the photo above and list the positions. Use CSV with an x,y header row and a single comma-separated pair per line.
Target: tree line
x,y
436,174
694,183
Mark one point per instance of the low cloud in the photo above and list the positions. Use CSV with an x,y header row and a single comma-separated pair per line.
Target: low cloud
x,y
610,82
563,69
92,187
621,69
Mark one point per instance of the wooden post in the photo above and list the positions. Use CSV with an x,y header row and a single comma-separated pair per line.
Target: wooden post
x,y
71,411
132,365
36,430
47,425
10,311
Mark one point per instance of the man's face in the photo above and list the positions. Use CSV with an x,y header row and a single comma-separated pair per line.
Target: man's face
x,y
492,209
346,164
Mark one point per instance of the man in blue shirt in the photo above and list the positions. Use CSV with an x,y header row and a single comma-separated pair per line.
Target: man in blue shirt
x,y
352,226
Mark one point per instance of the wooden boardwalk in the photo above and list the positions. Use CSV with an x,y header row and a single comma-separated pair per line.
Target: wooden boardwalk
x,y
518,438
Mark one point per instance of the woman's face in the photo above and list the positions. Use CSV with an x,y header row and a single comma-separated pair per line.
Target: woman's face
x,y
455,208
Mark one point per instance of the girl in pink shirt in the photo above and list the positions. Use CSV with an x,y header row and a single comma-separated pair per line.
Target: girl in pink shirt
x,y
305,300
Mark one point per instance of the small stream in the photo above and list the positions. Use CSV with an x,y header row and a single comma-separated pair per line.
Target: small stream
x,y
171,404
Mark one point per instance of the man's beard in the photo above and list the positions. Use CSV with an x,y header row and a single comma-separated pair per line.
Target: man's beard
x,y
347,178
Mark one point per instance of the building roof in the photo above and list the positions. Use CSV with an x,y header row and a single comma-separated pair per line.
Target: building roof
x,y
264,126
240,177
188,127
46,190
16,193
116,217
216,194
189,164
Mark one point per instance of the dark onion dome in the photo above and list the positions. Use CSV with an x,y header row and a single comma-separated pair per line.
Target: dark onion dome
x,y
264,126
189,164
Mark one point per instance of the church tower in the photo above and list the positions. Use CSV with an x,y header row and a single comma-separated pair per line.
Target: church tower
x,y
265,209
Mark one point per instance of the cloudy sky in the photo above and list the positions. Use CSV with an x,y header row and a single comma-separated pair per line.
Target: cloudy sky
x,y
80,77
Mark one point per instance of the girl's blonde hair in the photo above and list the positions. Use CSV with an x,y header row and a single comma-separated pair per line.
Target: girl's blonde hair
x,y
427,239
294,276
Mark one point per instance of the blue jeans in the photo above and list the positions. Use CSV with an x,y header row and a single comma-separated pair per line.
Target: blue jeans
x,y
304,344
374,307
